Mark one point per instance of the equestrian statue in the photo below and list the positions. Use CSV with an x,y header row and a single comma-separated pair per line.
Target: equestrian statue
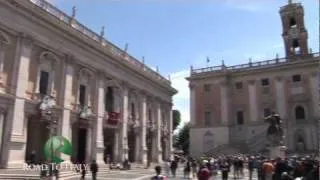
x,y
275,131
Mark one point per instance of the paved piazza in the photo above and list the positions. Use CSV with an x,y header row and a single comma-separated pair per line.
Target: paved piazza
x,y
146,174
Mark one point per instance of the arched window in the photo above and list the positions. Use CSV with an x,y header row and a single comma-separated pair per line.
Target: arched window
x,y
293,22
300,113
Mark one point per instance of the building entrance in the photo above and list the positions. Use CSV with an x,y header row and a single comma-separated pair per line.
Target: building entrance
x,y
37,135
82,145
131,145
109,135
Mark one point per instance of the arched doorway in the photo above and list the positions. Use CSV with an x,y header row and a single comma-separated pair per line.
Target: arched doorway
x,y
37,135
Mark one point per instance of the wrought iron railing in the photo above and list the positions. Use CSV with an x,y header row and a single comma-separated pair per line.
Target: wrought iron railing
x,y
46,6
247,66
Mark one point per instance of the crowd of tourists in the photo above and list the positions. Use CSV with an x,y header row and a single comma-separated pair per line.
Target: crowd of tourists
x,y
246,167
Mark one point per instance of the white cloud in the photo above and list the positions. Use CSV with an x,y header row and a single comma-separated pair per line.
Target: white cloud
x,y
181,100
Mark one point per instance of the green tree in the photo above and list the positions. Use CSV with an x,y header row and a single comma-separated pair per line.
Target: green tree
x,y
176,118
182,140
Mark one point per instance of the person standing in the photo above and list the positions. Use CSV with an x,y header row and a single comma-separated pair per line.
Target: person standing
x,y
167,167
250,167
173,167
268,170
225,170
94,169
158,175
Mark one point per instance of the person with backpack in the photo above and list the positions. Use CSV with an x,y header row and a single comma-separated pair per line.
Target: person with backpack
x,y
158,175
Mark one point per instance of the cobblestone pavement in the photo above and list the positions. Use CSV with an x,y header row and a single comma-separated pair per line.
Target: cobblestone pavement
x,y
140,174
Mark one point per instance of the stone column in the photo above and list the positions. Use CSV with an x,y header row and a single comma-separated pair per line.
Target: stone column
x,y
124,129
158,134
170,140
192,104
224,103
143,134
66,101
18,138
281,105
117,108
100,118
252,90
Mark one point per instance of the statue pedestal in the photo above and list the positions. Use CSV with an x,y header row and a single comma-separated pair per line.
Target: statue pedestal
x,y
277,151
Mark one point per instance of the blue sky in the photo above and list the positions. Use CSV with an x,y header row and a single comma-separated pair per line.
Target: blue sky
x,y
175,34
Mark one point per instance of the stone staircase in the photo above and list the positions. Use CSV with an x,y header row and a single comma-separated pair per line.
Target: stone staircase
x,y
31,175
256,144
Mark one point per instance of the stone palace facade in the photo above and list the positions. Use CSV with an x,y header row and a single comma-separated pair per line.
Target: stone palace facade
x,y
57,77
228,103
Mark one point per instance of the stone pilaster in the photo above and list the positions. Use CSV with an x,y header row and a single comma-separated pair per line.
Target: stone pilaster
x,y
100,118
314,87
18,139
124,129
281,105
143,134
66,101
192,104
252,91
158,134
224,103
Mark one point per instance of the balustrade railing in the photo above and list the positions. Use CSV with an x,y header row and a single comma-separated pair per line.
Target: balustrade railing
x,y
46,6
247,66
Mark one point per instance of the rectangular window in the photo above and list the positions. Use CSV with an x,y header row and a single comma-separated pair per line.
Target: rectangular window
x,y
296,78
207,118
44,82
265,82
108,100
266,112
82,95
238,85
207,87
240,118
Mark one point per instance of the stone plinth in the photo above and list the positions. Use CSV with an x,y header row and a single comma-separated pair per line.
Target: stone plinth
x,y
277,151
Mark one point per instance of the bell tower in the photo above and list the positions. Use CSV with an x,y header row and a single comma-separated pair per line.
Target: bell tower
x,y
294,33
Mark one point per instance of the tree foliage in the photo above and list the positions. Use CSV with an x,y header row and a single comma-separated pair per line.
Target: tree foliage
x,y
182,139
176,118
